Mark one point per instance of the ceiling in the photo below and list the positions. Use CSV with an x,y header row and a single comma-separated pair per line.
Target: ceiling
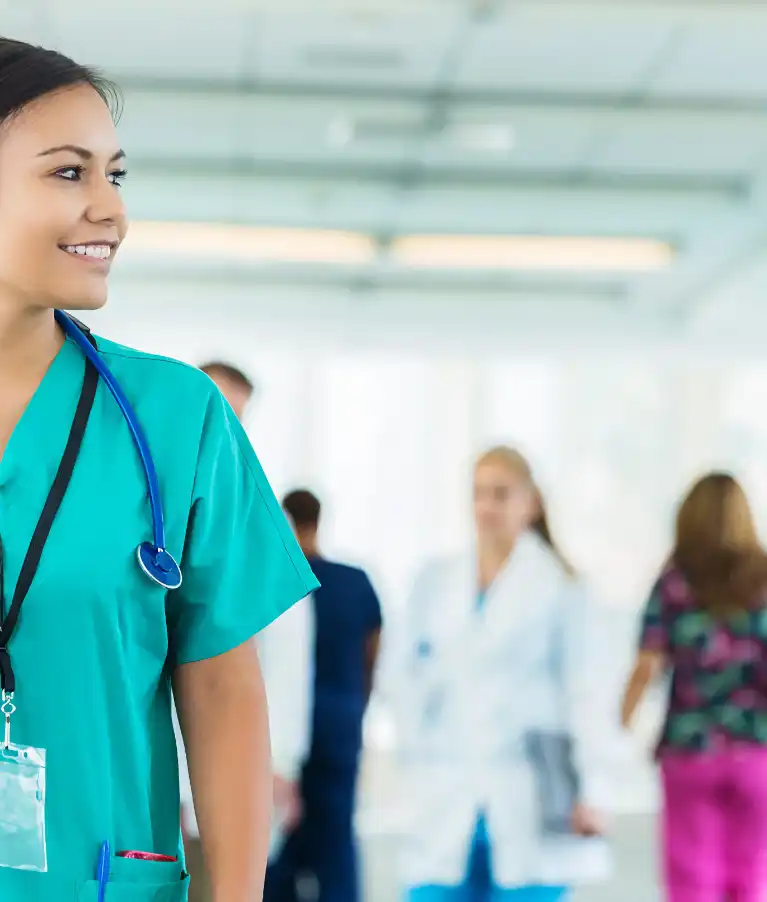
x,y
626,118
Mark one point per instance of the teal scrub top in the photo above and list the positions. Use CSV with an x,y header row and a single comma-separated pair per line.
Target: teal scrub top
x,y
97,641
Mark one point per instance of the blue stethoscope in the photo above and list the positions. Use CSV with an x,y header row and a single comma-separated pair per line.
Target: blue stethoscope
x,y
155,560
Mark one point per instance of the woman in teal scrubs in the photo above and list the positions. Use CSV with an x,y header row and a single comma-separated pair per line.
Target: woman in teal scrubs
x,y
98,645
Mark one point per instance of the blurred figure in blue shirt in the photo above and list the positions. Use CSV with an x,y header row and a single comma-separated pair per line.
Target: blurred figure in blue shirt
x,y
347,617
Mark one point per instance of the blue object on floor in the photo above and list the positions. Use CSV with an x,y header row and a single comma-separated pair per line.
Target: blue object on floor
x,y
479,885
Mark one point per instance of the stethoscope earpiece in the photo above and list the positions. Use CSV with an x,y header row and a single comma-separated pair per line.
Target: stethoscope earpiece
x,y
159,565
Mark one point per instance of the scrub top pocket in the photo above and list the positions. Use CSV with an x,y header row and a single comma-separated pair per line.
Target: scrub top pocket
x,y
128,891
136,880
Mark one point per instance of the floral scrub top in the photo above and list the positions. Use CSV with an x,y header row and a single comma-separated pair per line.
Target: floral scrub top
x,y
718,669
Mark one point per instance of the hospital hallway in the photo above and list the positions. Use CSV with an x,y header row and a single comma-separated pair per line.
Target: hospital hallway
x,y
433,316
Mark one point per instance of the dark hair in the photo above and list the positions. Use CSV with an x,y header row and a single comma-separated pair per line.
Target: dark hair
x,y
303,507
28,72
717,548
218,368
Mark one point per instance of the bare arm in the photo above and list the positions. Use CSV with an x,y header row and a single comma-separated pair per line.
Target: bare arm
x,y
647,666
372,647
287,660
223,716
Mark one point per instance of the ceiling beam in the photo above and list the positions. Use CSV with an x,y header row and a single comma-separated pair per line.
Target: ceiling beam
x,y
448,285
455,176
538,99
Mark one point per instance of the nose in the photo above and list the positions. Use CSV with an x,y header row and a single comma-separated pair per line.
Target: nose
x,y
105,204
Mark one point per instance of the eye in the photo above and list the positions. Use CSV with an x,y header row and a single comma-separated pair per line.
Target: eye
x,y
75,174
70,173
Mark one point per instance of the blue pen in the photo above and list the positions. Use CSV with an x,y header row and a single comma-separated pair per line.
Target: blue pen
x,y
102,873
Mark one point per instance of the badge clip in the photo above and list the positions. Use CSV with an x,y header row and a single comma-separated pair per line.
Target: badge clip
x,y
8,708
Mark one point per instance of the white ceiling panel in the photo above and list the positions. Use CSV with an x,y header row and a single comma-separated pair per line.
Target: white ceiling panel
x,y
498,138
172,126
172,39
23,21
199,125
342,120
722,55
574,211
319,203
556,48
667,142
404,49
172,196
743,292
327,130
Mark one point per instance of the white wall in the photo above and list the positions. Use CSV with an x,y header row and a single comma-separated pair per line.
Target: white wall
x,y
386,432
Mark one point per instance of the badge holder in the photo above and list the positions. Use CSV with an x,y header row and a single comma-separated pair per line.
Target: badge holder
x,y
22,801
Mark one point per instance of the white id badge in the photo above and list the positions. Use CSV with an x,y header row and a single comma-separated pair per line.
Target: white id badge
x,y
22,808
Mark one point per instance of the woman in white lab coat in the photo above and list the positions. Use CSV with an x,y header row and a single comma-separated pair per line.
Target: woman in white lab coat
x,y
502,759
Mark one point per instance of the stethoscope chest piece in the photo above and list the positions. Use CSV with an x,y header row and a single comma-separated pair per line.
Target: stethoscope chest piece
x,y
159,565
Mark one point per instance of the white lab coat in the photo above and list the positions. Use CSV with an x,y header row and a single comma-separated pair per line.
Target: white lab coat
x,y
286,652
473,686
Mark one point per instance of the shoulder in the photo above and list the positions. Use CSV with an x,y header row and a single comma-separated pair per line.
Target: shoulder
x,y
179,406
671,587
199,446
550,568
137,370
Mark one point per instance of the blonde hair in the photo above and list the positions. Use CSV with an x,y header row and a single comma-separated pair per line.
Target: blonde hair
x,y
516,463
717,547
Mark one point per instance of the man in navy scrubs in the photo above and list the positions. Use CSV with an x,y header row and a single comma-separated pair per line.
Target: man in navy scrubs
x,y
347,617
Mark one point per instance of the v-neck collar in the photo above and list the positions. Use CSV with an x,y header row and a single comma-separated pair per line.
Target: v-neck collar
x,y
46,417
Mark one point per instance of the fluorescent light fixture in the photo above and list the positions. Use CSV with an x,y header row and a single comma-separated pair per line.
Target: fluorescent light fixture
x,y
250,244
519,252
485,137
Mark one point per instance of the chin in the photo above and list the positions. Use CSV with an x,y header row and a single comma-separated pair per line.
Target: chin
x,y
83,303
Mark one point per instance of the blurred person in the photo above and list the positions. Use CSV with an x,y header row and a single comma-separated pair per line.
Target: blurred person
x,y
348,624
502,758
96,620
706,622
234,385
285,651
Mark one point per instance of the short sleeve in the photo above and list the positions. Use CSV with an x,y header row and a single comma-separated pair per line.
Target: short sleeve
x,y
242,566
653,632
373,616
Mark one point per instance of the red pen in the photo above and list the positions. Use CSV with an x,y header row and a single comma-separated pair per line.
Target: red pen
x,y
146,856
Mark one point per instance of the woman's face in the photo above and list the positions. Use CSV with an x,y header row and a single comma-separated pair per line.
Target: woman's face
x,y
61,214
504,502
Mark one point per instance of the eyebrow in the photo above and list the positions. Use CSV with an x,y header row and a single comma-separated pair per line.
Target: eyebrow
x,y
79,151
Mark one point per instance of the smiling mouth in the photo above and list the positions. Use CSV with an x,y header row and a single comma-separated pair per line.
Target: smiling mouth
x,y
90,252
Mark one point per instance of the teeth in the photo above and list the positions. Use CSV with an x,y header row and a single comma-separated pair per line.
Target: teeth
x,y
100,251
